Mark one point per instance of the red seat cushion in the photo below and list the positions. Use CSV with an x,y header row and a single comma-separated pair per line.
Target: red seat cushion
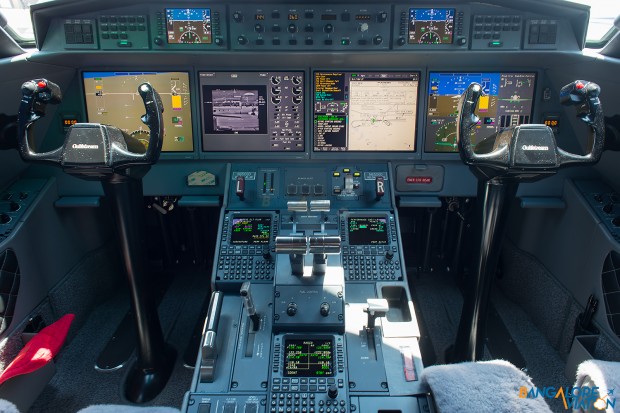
x,y
40,350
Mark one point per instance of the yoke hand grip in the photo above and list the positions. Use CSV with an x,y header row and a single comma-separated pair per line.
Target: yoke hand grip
x,y
466,121
585,96
36,94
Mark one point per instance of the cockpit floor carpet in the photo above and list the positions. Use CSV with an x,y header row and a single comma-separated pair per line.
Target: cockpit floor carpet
x,y
77,384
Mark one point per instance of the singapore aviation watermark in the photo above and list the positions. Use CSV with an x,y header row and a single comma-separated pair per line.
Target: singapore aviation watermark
x,y
584,397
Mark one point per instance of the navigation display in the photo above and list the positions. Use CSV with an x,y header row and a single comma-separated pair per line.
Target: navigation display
x,y
308,357
252,111
508,101
367,231
251,230
188,26
112,98
431,26
365,111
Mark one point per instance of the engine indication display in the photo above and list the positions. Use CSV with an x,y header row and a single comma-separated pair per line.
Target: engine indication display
x,y
365,111
507,101
252,111
431,26
308,357
367,231
188,26
251,230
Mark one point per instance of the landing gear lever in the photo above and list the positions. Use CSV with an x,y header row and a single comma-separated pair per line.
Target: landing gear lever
x,y
102,152
524,153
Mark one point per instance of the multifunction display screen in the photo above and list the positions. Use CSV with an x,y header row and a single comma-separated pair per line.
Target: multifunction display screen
x,y
188,26
431,26
252,111
365,111
368,231
112,99
507,101
308,357
250,230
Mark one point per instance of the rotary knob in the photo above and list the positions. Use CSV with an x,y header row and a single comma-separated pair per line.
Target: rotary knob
x,y
324,309
291,309
332,391
328,28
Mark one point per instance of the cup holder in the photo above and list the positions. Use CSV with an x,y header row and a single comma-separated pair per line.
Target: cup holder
x,y
398,303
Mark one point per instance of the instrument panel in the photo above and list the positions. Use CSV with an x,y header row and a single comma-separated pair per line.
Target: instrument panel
x,y
310,27
325,105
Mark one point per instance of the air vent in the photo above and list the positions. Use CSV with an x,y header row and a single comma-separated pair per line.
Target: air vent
x,y
611,290
9,286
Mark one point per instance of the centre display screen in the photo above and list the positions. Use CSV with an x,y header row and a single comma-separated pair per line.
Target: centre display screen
x,y
365,111
188,26
252,111
112,99
431,26
367,231
308,357
507,101
250,230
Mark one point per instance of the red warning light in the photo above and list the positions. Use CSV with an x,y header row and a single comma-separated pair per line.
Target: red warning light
x,y
41,84
579,85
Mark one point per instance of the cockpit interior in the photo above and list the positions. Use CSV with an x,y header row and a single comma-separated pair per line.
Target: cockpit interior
x,y
309,207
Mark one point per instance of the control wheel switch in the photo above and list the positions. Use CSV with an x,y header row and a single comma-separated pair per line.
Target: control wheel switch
x,y
240,188
377,307
379,187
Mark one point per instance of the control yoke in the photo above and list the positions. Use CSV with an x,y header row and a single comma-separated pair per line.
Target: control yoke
x,y
105,153
528,147
522,153
88,145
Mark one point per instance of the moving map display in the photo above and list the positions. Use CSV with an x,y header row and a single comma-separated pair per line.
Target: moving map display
x,y
365,111
188,26
507,101
112,98
431,26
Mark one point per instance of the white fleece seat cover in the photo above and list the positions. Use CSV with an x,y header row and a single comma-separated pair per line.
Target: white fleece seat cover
x,y
602,374
482,387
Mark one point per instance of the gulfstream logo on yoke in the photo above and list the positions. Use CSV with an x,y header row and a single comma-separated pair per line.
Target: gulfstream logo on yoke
x,y
534,148
84,146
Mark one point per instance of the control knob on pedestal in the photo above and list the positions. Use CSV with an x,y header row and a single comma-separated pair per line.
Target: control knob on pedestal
x,y
324,309
332,391
389,255
291,309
